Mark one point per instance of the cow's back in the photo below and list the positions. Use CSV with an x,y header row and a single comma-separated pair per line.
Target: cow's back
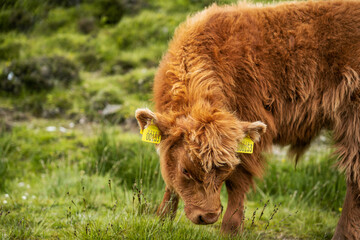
x,y
283,65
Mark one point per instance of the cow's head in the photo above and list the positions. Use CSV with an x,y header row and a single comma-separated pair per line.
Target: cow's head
x,y
198,153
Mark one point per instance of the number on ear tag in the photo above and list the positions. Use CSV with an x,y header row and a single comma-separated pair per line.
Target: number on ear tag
x,y
246,146
151,134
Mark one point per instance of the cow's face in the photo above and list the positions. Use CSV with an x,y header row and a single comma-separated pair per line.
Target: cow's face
x,y
197,186
197,154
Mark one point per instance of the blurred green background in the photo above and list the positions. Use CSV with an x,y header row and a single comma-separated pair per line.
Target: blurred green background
x,y
72,165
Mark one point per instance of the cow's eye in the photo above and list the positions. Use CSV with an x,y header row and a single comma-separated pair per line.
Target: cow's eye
x,y
185,172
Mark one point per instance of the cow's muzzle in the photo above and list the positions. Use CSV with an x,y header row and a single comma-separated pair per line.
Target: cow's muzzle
x,y
203,217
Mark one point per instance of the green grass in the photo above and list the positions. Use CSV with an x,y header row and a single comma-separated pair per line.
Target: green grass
x,y
91,179
80,184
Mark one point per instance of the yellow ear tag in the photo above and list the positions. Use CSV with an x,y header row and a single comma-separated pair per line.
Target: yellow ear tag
x,y
246,146
151,134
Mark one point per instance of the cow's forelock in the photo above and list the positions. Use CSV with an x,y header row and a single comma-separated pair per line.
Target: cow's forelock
x,y
211,153
214,143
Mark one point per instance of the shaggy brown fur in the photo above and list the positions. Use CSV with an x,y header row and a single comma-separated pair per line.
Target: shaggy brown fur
x,y
294,67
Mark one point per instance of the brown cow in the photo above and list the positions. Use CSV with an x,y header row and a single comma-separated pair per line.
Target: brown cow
x,y
283,72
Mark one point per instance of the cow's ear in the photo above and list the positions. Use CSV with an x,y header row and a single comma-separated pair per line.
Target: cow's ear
x,y
253,129
144,117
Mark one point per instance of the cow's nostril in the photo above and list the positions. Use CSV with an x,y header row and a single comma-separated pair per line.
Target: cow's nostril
x,y
201,220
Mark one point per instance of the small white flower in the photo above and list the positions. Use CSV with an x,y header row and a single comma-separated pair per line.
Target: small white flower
x,y
62,129
26,194
21,184
23,197
27,186
71,125
51,129
6,195
5,202
10,76
82,120
33,197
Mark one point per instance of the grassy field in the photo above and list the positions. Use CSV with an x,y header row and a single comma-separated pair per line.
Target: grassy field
x,y
72,165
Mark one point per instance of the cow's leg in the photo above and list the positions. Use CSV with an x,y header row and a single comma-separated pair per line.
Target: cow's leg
x,y
168,205
349,223
347,140
236,186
